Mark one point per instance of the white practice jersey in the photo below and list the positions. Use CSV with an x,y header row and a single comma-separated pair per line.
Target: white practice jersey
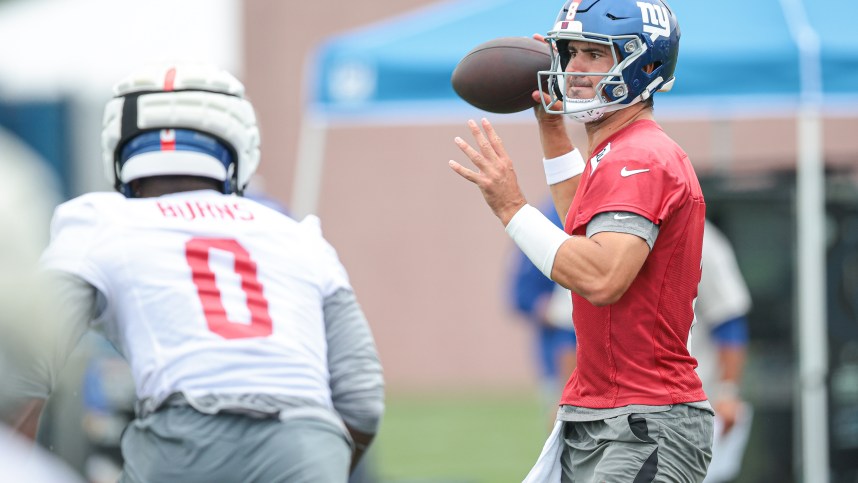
x,y
721,296
205,293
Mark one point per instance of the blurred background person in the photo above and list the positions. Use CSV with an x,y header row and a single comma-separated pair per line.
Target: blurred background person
x,y
27,195
547,306
719,342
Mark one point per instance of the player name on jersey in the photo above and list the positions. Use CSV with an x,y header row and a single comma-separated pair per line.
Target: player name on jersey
x,y
193,210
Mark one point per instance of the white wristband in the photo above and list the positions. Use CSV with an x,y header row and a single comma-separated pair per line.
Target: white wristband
x,y
537,237
563,167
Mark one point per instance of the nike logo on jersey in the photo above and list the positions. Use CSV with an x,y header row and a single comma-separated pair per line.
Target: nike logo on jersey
x,y
623,217
625,173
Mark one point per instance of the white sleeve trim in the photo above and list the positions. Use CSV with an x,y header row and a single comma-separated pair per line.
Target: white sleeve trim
x,y
537,237
563,167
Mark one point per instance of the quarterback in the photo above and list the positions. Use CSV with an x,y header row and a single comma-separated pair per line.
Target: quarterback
x,y
634,408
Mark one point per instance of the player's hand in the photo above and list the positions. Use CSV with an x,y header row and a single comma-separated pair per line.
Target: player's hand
x,y
552,127
541,98
727,408
546,120
495,177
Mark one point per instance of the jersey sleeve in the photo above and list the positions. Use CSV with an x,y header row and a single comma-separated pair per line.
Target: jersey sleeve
x,y
335,275
66,307
76,229
357,384
623,222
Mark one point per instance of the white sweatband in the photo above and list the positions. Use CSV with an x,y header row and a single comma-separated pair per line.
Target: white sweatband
x,y
537,237
563,167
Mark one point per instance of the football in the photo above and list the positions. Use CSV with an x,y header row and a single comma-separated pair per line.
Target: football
x,y
500,75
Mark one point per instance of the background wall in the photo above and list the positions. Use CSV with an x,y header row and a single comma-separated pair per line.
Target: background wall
x,y
426,259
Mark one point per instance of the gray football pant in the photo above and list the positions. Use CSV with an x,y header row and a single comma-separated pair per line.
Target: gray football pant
x,y
673,446
179,444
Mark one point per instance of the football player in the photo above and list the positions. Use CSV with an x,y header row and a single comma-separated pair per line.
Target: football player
x,y
634,408
27,196
251,357
719,343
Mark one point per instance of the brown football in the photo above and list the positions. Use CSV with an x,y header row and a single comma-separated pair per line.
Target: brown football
x,y
500,75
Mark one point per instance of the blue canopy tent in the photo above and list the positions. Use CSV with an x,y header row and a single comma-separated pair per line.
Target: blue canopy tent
x,y
737,58
745,62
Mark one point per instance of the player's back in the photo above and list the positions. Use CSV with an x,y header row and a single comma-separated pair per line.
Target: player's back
x,y
205,293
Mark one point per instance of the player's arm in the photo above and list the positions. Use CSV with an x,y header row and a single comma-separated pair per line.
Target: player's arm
x,y
563,162
731,338
531,291
600,268
555,143
25,417
357,384
724,301
70,304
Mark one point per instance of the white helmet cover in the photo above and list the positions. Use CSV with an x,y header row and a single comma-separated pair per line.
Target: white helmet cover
x,y
195,97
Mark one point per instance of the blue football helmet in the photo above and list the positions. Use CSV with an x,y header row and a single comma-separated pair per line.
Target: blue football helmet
x,y
641,32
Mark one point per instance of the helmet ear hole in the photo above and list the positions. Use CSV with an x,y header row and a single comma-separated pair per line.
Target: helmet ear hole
x,y
650,68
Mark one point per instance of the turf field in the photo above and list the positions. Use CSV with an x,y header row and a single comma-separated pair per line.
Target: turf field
x,y
444,438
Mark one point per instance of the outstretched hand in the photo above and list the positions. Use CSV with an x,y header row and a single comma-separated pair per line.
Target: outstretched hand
x,y
496,176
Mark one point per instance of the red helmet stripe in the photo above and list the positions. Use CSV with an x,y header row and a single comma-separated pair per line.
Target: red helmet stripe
x,y
170,79
168,140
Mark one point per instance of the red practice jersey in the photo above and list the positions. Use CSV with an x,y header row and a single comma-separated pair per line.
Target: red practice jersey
x,y
635,350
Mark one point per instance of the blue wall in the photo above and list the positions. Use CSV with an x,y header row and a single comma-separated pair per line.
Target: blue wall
x,y
44,126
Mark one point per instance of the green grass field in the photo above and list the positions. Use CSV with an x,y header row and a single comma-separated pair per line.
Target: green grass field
x,y
442,438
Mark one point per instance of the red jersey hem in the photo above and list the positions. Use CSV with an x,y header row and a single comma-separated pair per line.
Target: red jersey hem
x,y
598,403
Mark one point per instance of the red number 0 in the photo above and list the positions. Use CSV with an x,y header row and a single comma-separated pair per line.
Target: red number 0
x,y
197,252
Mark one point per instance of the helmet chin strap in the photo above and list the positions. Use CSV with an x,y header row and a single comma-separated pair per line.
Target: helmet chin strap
x,y
586,110
584,115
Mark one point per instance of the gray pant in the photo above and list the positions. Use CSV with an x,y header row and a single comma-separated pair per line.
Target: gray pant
x,y
672,446
179,444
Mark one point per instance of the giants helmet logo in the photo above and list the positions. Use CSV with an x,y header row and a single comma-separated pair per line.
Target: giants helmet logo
x,y
656,20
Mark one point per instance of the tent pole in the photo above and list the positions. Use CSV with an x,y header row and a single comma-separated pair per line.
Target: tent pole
x,y
810,224
811,304
309,167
